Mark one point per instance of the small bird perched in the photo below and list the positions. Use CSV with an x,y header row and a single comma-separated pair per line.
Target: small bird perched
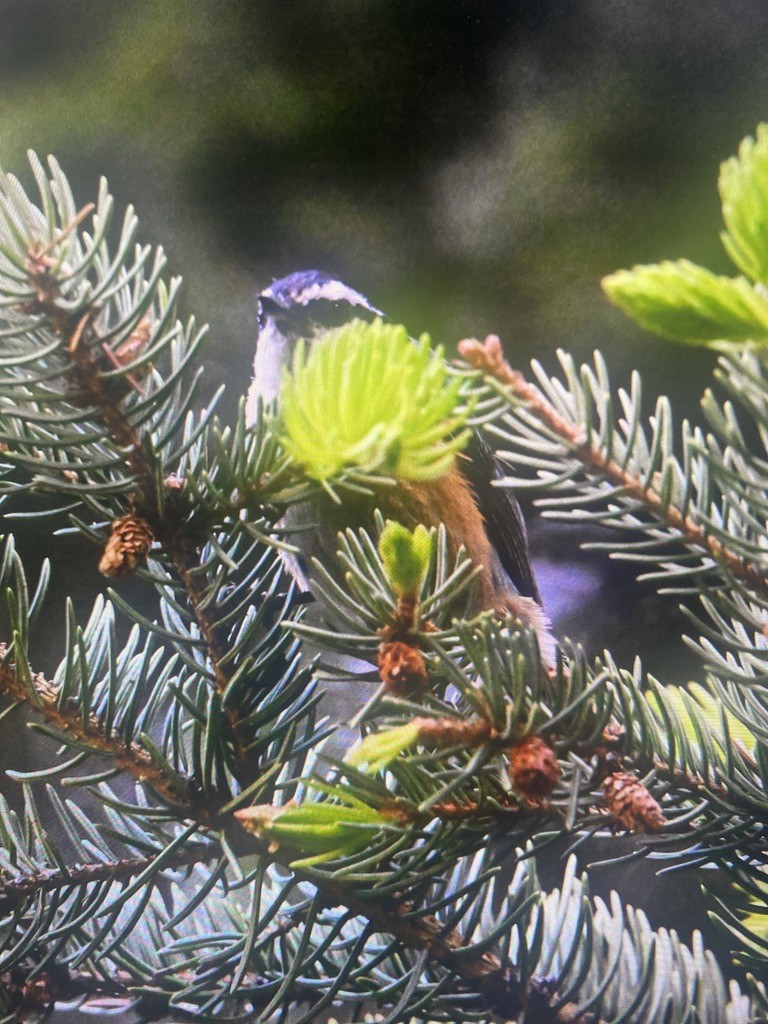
x,y
484,519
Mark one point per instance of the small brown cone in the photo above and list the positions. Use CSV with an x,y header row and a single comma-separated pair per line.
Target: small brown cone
x,y
630,803
128,544
402,668
534,768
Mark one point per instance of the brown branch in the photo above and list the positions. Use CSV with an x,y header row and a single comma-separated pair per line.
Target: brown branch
x,y
448,732
15,889
195,594
489,357
95,392
128,758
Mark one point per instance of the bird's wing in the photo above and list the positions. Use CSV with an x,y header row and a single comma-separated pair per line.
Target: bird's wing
x,y
503,519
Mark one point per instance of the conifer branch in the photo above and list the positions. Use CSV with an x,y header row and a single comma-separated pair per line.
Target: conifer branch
x,y
497,981
14,890
81,340
488,357
389,888
483,973
184,565
473,732
43,697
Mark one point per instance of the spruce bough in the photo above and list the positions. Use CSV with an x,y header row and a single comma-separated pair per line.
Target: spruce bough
x,y
232,869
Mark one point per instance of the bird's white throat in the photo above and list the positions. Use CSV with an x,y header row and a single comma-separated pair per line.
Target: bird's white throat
x,y
273,352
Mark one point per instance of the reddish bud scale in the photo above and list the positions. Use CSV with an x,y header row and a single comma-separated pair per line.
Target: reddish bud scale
x,y
484,355
614,736
629,802
402,668
129,542
534,767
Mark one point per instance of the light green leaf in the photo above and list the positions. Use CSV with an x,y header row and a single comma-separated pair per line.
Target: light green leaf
x,y
688,303
743,188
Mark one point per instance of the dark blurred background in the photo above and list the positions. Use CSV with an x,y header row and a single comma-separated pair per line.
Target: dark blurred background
x,y
470,165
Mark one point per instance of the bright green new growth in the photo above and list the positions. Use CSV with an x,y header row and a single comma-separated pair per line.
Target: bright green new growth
x,y
321,831
377,751
744,193
692,703
688,303
405,556
366,402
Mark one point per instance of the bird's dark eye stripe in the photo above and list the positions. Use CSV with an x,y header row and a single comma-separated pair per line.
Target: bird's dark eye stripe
x,y
334,313
303,320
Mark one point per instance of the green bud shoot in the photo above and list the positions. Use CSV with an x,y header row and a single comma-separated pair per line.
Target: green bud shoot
x,y
405,555
377,751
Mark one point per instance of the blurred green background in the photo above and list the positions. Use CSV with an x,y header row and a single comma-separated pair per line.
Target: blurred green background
x,y
470,165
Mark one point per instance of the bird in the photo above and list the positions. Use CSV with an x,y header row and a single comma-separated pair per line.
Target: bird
x,y
484,519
